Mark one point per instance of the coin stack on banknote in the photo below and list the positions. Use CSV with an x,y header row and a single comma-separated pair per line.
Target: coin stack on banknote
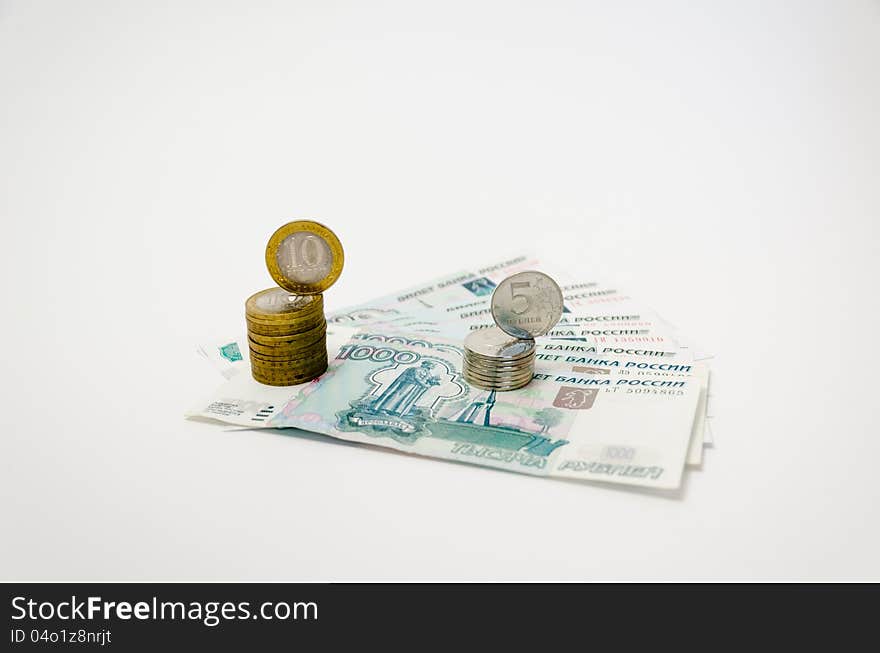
x,y
524,306
287,331
287,336
495,360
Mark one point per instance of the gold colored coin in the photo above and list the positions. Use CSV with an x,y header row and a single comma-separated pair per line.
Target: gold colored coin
x,y
287,316
290,349
287,380
287,352
313,338
288,338
304,257
281,362
289,328
317,350
280,366
290,323
269,371
286,330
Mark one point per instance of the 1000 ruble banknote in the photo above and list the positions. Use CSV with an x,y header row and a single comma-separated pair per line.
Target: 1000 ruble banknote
x,y
408,394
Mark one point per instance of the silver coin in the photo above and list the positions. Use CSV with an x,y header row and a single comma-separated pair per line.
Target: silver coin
x,y
497,360
517,365
500,380
506,360
498,371
498,387
507,367
527,304
495,343
490,374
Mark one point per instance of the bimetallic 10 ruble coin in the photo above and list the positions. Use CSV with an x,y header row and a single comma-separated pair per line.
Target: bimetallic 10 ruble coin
x,y
304,257
278,305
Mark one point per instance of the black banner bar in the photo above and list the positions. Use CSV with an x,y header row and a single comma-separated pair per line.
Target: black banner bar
x,y
134,616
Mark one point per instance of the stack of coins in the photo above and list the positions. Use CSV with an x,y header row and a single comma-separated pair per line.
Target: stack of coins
x,y
287,331
287,336
524,306
495,360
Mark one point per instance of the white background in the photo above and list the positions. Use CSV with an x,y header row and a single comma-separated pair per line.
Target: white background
x,y
720,161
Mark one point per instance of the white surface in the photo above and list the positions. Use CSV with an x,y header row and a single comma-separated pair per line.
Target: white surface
x,y
718,161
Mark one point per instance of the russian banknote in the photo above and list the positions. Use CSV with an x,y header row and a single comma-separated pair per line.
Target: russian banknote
x,y
411,396
407,393
641,366
476,282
